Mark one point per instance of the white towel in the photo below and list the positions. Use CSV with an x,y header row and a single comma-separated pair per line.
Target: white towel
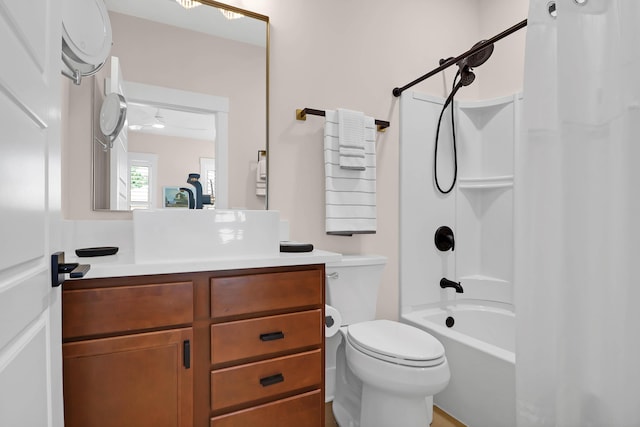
x,y
261,177
350,195
262,167
351,138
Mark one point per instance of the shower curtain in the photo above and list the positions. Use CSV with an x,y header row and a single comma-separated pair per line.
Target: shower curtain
x,y
578,217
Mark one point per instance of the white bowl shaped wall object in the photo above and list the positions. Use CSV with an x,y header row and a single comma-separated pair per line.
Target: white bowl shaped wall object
x,y
183,235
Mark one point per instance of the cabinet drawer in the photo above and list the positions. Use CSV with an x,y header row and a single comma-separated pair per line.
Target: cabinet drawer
x,y
252,382
101,311
303,410
264,336
263,293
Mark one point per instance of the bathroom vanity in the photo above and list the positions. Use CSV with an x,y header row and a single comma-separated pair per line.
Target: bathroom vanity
x,y
216,348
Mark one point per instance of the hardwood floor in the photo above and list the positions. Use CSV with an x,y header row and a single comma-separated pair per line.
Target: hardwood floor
x,y
440,418
329,421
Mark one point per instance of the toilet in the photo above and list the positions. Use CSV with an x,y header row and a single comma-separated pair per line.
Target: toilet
x,y
386,372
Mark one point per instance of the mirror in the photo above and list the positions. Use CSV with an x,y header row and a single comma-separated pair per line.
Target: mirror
x,y
196,86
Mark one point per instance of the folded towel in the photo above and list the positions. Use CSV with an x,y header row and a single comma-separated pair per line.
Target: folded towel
x,y
262,167
261,177
350,195
351,139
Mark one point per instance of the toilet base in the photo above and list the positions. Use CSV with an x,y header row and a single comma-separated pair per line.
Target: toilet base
x,y
359,405
348,389
345,416
380,409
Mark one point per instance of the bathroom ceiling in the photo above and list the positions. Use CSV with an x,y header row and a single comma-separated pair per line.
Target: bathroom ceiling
x,y
203,18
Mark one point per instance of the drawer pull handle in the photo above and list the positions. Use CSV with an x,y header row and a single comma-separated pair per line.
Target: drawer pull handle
x,y
271,380
272,336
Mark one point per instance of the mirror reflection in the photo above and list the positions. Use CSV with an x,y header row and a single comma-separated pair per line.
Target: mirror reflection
x,y
195,82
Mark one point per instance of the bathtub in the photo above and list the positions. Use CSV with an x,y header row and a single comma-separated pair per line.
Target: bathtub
x,y
480,349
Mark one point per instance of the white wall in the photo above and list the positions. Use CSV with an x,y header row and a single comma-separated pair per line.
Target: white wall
x,y
503,73
352,53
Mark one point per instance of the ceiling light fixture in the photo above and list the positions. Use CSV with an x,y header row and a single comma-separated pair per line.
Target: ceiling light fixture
x,y
188,4
231,15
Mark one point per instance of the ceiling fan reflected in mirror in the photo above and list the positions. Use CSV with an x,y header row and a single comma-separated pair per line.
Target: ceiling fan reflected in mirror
x,y
171,122
190,4
156,122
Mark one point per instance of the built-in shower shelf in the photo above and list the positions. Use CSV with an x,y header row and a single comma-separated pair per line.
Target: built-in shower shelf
x,y
481,113
486,183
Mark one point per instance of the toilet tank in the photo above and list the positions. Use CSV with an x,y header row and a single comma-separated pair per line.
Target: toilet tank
x,y
352,286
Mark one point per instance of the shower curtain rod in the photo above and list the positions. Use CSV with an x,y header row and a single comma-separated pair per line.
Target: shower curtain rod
x,y
398,90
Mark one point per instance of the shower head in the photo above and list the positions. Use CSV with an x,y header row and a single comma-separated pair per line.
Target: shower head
x,y
478,58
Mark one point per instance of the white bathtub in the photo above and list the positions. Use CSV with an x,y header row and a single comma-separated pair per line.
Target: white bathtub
x,y
480,349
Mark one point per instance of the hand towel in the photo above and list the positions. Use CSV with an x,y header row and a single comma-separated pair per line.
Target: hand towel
x,y
350,195
261,177
262,167
351,139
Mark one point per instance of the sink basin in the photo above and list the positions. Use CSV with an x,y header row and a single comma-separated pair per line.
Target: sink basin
x,y
182,235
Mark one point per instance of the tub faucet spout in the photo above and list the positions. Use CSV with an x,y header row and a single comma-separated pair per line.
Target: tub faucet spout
x,y
446,283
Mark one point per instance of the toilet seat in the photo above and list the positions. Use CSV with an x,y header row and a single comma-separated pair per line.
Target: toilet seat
x,y
396,343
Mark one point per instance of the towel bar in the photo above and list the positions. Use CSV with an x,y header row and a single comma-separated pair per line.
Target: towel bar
x,y
301,114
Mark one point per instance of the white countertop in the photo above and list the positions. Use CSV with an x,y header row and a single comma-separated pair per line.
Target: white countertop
x,y
123,264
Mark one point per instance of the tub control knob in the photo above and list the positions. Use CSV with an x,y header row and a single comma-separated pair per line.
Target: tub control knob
x,y
444,239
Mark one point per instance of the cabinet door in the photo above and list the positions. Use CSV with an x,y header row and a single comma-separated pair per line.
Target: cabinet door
x,y
136,380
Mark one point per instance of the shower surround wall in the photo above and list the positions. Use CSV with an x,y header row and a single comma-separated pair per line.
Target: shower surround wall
x,y
479,209
480,212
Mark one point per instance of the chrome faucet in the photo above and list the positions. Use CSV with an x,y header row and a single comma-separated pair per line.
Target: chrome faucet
x,y
446,283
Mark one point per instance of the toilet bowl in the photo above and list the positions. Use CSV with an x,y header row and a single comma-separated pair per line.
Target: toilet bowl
x,y
386,372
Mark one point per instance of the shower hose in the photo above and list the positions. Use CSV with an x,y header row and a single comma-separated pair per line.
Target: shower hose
x,y
456,86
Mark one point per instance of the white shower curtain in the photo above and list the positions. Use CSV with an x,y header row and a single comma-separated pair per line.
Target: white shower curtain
x,y
578,217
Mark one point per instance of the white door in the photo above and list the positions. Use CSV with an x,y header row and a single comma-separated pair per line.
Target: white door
x,y
30,310
119,162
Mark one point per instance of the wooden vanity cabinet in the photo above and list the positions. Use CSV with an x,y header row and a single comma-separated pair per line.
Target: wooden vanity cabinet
x,y
209,349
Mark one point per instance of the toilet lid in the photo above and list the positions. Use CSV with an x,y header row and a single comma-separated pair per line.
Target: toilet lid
x,y
396,342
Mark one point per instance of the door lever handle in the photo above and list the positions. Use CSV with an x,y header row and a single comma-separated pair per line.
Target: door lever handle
x,y
59,268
